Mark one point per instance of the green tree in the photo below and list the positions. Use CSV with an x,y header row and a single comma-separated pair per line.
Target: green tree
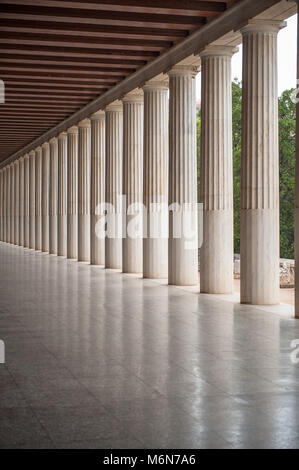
x,y
237,124
287,135
198,150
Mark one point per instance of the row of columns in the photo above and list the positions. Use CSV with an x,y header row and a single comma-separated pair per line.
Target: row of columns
x,y
144,147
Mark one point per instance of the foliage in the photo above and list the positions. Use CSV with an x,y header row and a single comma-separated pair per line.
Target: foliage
x,y
237,124
198,150
287,135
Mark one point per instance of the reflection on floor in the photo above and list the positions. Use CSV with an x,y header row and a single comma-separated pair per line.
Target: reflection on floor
x,y
98,359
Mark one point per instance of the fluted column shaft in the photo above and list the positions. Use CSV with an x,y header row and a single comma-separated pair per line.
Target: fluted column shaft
x,y
26,200
12,203
21,201
16,201
45,169
216,171
32,200
5,204
8,213
132,251
84,191
1,204
155,180
38,198
113,189
2,196
183,237
259,228
297,185
53,196
72,193
97,190
62,195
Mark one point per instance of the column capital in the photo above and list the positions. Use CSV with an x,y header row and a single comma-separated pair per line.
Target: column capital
x,y
218,50
38,149
26,155
184,70
98,115
45,145
31,153
84,123
115,106
53,140
73,130
263,26
62,135
156,84
21,158
134,96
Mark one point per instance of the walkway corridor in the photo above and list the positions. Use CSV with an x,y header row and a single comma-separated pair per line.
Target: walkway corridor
x,y
99,359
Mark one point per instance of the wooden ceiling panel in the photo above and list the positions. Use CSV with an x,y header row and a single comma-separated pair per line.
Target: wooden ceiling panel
x,y
58,55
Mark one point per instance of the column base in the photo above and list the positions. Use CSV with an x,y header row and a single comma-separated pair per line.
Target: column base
x,y
155,258
84,237
113,253
216,253
259,261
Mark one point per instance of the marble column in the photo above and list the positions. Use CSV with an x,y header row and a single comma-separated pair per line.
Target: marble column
x,y
183,231
12,203
8,213
62,195
21,201
45,168
84,144
216,171
4,204
132,252
72,193
259,225
97,190
297,184
155,180
113,188
1,204
32,200
16,201
53,196
26,200
38,199
3,229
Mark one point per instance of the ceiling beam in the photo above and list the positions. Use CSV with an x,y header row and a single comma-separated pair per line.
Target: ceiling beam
x,y
104,17
45,84
56,94
231,19
75,77
190,7
75,51
13,58
68,69
96,30
24,37
45,91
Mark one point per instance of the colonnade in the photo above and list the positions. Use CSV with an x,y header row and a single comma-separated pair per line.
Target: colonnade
x,y
57,198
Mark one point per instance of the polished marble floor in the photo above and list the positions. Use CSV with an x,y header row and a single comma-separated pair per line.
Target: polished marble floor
x,y
98,359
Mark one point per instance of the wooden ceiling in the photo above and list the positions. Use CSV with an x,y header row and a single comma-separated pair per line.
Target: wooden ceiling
x,y
57,55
